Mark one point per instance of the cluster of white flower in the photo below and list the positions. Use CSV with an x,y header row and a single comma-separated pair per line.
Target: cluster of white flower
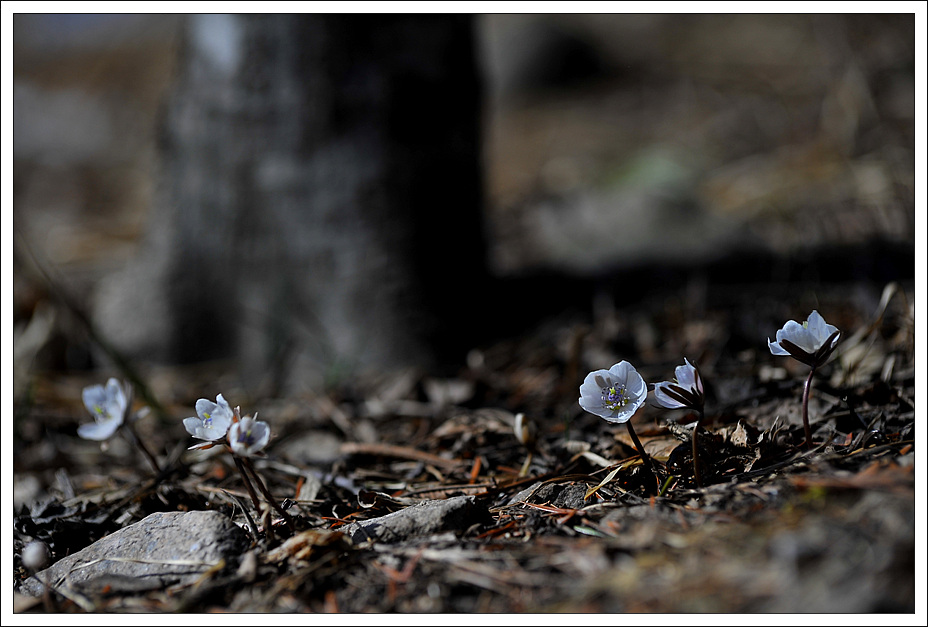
x,y
616,394
217,421
217,424
110,407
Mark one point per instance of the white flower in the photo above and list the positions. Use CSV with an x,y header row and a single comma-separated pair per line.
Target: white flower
x,y
685,391
811,342
614,394
248,436
212,421
108,406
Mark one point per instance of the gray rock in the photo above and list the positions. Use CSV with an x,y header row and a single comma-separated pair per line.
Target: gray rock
x,y
165,548
426,518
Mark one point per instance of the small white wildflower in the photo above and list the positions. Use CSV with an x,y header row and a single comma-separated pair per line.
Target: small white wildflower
x,y
614,394
212,421
248,436
685,391
108,405
811,342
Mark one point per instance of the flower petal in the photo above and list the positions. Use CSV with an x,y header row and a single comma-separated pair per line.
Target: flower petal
x,y
798,335
192,425
100,430
620,372
635,384
94,397
205,408
116,394
664,399
591,392
776,349
223,404
821,329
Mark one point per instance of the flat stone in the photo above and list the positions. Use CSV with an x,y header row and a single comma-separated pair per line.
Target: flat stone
x,y
163,549
423,519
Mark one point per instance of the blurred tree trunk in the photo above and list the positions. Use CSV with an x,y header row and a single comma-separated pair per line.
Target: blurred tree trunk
x,y
319,207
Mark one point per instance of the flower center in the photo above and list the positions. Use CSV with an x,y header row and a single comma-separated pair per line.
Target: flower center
x,y
207,420
615,397
246,438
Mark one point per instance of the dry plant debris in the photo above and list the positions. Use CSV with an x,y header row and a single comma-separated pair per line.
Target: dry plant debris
x,y
429,495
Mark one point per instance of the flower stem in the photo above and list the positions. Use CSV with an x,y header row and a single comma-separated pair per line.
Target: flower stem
x,y
805,408
270,497
644,455
248,486
697,468
138,442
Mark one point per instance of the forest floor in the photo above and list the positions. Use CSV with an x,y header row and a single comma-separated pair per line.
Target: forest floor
x,y
568,525
408,491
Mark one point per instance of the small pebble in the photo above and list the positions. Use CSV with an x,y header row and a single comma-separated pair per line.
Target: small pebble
x,y
35,556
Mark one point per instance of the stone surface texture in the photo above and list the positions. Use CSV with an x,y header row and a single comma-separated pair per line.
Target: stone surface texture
x,y
163,549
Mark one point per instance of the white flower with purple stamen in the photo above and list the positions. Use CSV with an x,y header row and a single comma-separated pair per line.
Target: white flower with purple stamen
x,y
614,394
248,436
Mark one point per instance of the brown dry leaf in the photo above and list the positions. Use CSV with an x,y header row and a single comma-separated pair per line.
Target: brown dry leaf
x,y
657,446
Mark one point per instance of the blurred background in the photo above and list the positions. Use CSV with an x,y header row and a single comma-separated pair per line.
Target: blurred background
x,y
549,159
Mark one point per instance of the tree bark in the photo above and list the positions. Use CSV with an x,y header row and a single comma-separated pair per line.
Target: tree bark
x,y
320,202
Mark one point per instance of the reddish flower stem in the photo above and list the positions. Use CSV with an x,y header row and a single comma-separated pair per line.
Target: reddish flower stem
x,y
248,486
270,497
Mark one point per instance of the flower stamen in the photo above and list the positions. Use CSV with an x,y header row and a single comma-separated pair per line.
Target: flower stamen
x,y
615,397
